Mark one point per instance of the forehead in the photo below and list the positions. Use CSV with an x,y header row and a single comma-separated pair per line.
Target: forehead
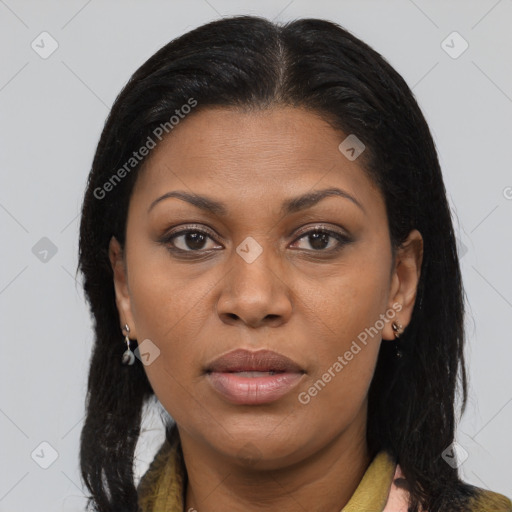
x,y
262,155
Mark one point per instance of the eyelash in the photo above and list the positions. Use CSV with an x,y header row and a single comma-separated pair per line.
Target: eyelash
x,y
341,239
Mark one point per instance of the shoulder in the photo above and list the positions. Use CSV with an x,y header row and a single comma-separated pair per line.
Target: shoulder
x,y
489,501
475,498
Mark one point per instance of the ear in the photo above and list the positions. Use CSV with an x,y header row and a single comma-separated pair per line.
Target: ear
x,y
123,302
404,282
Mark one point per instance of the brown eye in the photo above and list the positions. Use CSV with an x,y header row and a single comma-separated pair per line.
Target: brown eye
x,y
193,240
323,240
190,240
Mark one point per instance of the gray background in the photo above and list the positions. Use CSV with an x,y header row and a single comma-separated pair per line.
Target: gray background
x,y
52,112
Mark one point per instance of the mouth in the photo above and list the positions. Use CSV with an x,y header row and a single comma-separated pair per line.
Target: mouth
x,y
243,377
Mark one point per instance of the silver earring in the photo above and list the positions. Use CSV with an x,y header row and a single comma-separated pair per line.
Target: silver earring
x,y
128,356
398,330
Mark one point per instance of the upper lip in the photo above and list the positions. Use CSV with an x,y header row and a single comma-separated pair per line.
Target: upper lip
x,y
242,360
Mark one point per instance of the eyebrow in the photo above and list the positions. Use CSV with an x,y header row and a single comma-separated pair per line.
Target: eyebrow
x,y
292,205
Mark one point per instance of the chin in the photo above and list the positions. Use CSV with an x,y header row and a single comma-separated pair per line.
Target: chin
x,y
260,448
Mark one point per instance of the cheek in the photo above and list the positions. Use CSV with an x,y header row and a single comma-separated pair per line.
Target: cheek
x,y
346,344
166,318
336,398
164,296
346,351
172,316
347,304
171,313
175,391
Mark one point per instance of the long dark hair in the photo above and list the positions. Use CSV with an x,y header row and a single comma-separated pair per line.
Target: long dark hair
x,y
247,62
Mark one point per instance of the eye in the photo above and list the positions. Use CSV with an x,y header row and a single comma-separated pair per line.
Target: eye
x,y
190,240
193,239
323,240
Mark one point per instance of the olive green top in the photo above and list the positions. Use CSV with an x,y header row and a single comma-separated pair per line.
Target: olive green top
x,y
162,488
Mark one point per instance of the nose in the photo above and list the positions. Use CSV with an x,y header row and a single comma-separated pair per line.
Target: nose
x,y
255,293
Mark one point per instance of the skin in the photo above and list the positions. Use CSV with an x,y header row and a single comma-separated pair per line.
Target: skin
x,y
299,298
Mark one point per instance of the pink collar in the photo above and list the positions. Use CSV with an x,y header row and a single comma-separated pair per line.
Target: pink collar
x,y
398,497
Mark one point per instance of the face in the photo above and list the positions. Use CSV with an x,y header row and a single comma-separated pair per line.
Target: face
x,y
311,280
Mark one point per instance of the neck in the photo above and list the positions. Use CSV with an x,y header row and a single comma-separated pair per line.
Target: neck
x,y
322,481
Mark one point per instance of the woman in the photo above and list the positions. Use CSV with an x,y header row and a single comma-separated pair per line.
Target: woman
x,y
268,251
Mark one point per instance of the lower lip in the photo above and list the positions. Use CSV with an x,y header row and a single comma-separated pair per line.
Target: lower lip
x,y
253,390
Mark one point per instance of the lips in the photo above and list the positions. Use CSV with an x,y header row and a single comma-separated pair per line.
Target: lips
x,y
243,377
246,361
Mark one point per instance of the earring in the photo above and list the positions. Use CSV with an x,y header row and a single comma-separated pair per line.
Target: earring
x,y
128,356
398,330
